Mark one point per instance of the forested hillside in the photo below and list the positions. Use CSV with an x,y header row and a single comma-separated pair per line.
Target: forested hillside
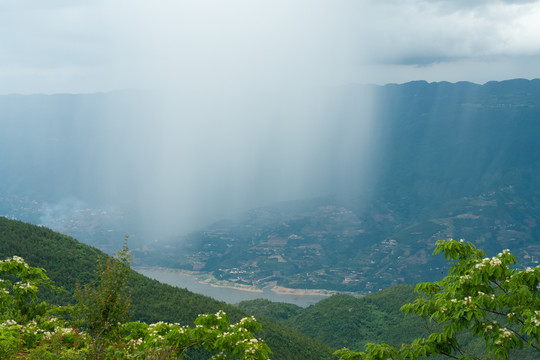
x,y
348,321
68,262
452,317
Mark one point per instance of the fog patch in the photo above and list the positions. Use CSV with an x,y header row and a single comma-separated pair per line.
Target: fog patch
x,y
61,215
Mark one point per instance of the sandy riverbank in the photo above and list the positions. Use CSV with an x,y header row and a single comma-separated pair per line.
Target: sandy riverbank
x,y
205,278
288,291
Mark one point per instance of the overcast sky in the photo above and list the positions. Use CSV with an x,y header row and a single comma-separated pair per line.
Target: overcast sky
x,y
250,115
87,46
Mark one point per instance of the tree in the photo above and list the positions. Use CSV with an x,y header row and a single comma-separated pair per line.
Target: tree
x,y
482,297
104,305
19,285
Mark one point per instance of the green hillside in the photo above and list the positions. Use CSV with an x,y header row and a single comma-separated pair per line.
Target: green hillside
x,y
68,262
277,311
347,321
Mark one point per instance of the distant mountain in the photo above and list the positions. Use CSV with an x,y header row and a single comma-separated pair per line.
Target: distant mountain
x,y
444,141
451,160
439,160
68,262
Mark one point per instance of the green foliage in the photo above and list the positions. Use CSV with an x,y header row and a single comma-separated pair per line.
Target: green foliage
x,y
69,262
272,310
214,332
283,335
344,320
485,297
31,334
291,344
104,305
28,329
19,299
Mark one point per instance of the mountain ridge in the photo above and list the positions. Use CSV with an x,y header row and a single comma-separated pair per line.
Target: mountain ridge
x,y
446,160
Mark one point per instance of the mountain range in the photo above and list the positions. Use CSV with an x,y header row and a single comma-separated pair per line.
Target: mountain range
x,y
444,160
452,160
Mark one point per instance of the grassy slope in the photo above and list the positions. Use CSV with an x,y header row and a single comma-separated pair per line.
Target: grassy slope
x,y
67,262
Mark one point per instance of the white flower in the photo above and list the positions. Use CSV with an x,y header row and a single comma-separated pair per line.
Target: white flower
x,y
18,259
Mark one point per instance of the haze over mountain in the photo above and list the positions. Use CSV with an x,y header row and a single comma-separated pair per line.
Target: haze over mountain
x,y
449,160
435,141
72,152
304,144
235,113
373,190
245,105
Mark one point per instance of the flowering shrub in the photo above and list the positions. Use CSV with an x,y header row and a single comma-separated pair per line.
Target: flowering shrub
x,y
212,331
30,329
27,328
481,296
19,300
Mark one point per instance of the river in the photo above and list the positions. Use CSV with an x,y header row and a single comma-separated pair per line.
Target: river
x,y
228,295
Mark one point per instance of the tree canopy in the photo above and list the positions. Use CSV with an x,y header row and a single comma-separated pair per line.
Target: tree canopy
x,y
486,297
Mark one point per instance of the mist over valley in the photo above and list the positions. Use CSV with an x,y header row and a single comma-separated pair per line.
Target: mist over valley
x,y
178,168
350,199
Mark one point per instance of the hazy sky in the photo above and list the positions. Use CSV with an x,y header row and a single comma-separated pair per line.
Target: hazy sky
x,y
86,46
248,119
